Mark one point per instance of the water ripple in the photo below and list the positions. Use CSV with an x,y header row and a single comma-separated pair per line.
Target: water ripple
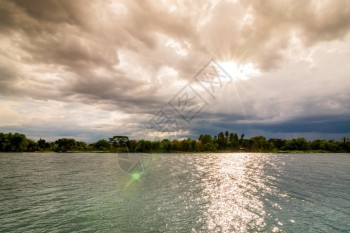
x,y
178,193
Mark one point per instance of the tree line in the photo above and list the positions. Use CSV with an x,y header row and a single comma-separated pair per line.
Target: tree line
x,y
223,142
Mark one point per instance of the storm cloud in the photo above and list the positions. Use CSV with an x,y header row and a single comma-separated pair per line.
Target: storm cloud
x,y
119,62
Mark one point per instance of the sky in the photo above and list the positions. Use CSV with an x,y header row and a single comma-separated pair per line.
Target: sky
x,y
93,69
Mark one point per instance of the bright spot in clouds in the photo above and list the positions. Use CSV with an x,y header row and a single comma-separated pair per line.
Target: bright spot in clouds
x,y
243,71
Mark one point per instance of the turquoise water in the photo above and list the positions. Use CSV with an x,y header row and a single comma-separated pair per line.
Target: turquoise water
x,y
52,192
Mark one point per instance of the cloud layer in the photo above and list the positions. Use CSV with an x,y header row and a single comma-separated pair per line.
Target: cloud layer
x,y
89,69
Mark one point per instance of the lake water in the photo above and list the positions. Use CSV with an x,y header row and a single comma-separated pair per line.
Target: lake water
x,y
49,192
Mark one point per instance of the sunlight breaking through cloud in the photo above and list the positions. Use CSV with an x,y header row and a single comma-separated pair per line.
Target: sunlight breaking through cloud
x,y
129,58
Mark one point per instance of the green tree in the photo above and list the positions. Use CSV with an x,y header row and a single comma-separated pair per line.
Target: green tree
x,y
16,142
101,145
207,144
209,147
275,143
222,143
316,145
234,142
4,142
297,144
155,145
32,145
133,144
81,146
42,144
189,145
332,146
227,134
144,146
241,140
345,145
205,139
259,143
65,144
119,141
165,145
175,145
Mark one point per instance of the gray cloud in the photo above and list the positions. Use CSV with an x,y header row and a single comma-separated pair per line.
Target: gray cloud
x,y
115,55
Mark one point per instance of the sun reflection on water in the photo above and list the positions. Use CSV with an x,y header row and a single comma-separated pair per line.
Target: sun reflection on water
x,y
234,186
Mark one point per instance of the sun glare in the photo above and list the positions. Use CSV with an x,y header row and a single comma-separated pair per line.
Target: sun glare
x,y
243,71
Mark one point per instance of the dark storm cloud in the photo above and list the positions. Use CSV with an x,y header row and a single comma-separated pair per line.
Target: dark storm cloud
x,y
328,127
316,124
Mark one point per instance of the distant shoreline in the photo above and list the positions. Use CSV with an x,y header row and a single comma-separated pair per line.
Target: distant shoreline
x,y
184,152
224,142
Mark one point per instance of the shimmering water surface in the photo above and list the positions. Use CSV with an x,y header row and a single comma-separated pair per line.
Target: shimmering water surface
x,y
51,192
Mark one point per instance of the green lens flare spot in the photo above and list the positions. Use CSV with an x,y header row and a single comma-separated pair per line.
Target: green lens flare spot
x,y
135,176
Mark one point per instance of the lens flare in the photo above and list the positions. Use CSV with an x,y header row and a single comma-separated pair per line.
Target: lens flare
x,y
135,176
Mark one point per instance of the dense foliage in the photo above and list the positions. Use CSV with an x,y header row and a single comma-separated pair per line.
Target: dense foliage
x,y
223,142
